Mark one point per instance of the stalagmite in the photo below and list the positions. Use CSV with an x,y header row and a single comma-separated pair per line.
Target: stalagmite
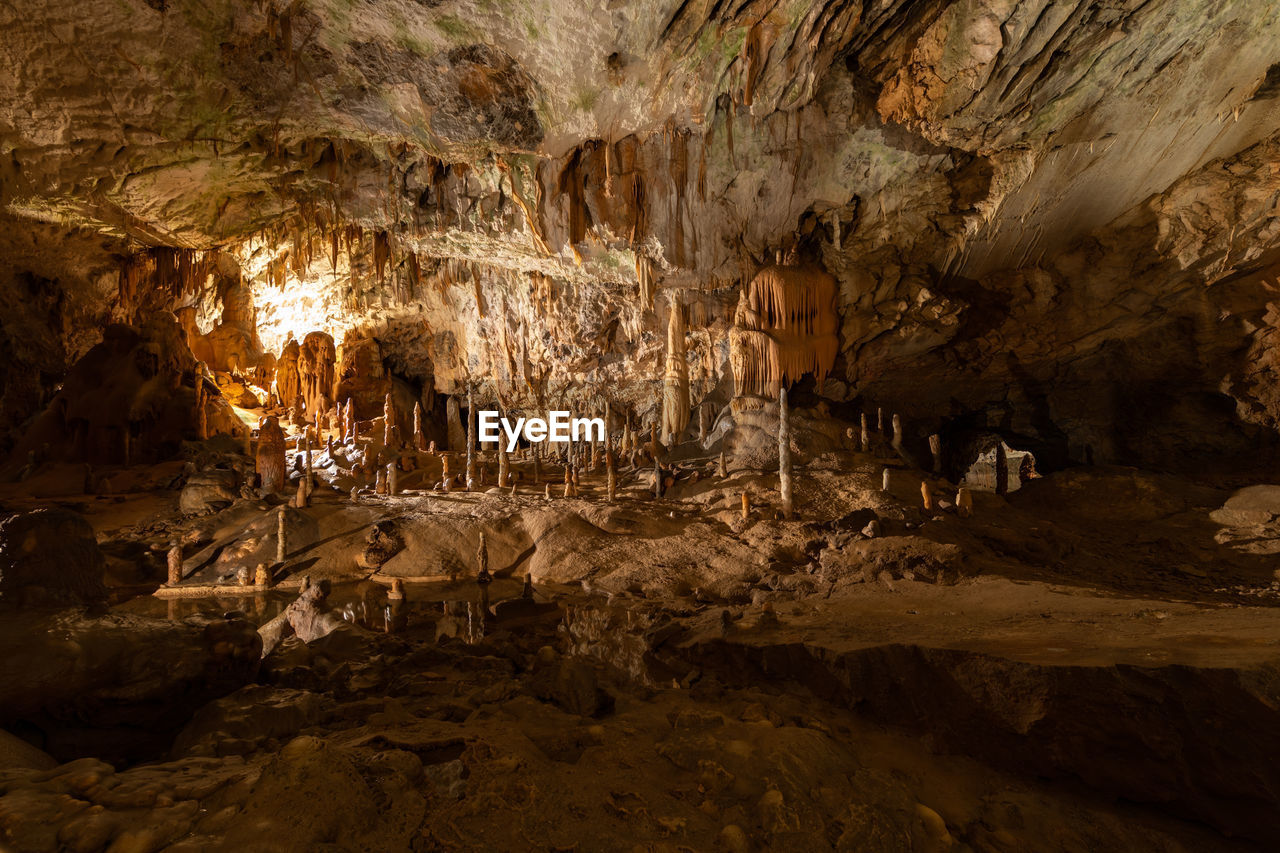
x,y
547,493
261,576
1002,470
704,423
926,496
935,448
393,479
897,432
270,460
884,480
282,545
514,484
784,453
471,440
380,482
396,593
504,465
675,383
608,427
746,505
444,471
964,503
202,416
419,440
306,464
390,428
723,467
175,564
865,437
880,420
611,476
300,500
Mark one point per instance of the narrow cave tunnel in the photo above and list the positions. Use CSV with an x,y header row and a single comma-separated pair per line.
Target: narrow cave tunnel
x,y
885,412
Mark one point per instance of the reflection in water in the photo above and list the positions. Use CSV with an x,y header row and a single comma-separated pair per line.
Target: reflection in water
x,y
458,610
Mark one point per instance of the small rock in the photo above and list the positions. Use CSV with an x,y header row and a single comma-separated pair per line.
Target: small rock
x,y
733,840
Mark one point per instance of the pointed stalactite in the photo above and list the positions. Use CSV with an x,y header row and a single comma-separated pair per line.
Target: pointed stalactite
x,y
415,274
678,165
752,53
572,185
636,199
644,275
381,253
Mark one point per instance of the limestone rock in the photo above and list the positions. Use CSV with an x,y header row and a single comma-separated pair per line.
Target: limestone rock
x,y
49,557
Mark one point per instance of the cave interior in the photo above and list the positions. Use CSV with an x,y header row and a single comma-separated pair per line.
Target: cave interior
x,y
927,495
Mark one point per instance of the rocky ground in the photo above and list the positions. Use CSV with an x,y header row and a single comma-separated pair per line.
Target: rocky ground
x,y
1089,664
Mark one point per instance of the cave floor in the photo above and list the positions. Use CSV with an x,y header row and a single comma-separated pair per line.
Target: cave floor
x,y
1087,665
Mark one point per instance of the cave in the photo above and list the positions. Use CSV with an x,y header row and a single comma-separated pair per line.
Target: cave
x,y
919,484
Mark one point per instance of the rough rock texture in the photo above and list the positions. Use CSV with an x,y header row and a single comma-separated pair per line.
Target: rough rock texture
x,y
49,557
117,686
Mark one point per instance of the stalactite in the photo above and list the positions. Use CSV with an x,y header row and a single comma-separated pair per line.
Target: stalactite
x,y
381,253
678,166
752,53
636,197
785,326
608,170
644,274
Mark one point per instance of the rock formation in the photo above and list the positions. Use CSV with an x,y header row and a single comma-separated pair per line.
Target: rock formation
x,y
978,297
270,462
316,358
288,375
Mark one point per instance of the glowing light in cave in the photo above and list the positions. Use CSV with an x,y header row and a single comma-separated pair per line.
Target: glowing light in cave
x,y
313,303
